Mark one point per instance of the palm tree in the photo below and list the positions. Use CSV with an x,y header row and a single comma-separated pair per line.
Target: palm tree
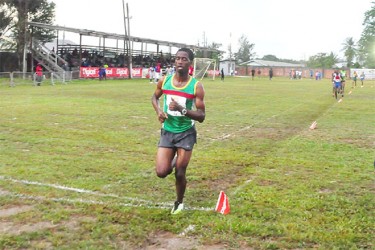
x,y
350,50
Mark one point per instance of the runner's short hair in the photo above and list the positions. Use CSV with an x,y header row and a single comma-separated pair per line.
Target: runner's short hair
x,y
190,53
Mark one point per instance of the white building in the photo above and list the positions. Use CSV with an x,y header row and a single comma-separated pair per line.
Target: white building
x,y
229,66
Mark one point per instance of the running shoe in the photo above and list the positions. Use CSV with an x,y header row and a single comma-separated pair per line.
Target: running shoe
x,y
177,208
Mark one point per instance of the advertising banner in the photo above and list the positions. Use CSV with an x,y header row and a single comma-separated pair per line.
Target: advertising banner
x,y
93,72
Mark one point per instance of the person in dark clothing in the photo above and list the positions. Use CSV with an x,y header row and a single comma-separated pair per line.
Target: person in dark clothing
x,y
222,74
252,74
271,73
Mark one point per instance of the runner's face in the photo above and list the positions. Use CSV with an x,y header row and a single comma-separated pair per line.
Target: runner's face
x,y
182,62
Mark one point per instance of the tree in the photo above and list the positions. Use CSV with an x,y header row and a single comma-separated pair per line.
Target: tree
x,y
5,20
366,44
245,52
270,58
211,52
350,51
29,10
5,25
330,60
322,60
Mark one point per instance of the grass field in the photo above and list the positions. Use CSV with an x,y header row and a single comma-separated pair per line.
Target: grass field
x,y
77,168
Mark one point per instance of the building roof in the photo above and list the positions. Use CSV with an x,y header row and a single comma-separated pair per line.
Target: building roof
x,y
340,65
264,63
94,33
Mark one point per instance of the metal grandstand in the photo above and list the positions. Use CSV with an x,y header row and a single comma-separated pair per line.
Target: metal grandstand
x,y
120,37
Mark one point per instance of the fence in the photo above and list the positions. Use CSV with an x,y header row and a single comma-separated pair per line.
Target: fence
x,y
263,71
305,72
369,74
17,78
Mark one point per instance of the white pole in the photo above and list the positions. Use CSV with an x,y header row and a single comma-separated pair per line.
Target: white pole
x,y
214,70
230,53
126,44
130,44
24,63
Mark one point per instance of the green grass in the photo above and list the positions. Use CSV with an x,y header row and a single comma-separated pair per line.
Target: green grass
x,y
289,187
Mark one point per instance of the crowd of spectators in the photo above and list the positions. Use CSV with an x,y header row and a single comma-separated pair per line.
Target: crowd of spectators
x,y
91,57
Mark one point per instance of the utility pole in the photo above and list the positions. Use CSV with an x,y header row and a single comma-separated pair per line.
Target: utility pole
x,y
130,44
127,37
230,53
24,62
126,51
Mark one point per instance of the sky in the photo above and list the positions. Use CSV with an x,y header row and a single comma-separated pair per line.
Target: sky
x,y
288,29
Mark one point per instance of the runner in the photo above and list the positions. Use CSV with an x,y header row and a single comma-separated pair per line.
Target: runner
x,y
336,77
183,105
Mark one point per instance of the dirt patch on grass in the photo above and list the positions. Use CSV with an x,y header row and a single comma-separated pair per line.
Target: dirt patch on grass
x,y
4,192
13,228
43,244
8,227
169,241
166,240
17,229
75,222
6,212
325,191
156,241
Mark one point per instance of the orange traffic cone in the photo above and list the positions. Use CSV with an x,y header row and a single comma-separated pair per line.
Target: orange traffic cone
x,y
313,125
222,205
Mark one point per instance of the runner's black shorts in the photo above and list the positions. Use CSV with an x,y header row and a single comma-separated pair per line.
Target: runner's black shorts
x,y
185,140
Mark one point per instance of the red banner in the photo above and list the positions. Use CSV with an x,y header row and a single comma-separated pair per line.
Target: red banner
x,y
93,72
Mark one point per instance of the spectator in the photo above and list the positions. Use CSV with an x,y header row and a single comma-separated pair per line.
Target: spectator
x,y
191,70
157,72
151,72
39,74
362,77
271,73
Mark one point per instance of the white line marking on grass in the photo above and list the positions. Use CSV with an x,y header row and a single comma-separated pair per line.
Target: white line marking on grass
x,y
334,104
226,136
240,187
141,202
95,202
190,228
78,190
